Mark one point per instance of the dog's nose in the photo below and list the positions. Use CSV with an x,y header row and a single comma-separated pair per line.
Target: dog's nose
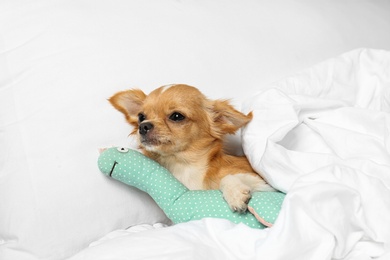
x,y
144,128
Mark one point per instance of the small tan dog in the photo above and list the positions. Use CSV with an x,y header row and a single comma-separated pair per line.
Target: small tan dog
x,y
183,130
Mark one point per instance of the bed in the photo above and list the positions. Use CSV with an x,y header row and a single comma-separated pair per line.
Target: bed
x,y
316,75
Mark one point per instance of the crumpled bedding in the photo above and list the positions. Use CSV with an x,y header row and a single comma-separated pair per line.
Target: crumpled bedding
x,y
323,137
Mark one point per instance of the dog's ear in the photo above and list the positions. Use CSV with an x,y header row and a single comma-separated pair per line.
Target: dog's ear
x,y
129,102
226,119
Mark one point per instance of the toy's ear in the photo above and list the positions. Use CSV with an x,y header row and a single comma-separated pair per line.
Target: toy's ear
x,y
129,102
226,119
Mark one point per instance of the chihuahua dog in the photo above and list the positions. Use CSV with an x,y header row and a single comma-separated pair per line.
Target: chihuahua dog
x,y
181,129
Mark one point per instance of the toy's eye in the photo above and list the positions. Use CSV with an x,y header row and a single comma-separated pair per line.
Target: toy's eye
x,y
141,117
177,117
122,149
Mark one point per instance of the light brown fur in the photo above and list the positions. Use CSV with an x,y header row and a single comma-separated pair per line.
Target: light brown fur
x,y
186,136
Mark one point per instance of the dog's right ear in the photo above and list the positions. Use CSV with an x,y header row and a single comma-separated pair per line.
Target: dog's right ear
x,y
226,119
129,102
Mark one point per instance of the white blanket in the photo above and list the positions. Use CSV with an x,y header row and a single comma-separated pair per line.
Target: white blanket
x,y
322,136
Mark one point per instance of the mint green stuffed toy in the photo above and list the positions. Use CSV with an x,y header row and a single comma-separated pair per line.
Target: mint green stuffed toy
x,y
179,203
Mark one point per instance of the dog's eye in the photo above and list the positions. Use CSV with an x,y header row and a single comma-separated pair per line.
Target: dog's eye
x,y
141,117
176,117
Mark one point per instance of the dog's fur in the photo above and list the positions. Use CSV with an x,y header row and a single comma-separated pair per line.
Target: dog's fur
x,y
183,130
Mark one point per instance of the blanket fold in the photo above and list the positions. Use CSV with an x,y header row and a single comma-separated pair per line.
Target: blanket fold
x,y
323,137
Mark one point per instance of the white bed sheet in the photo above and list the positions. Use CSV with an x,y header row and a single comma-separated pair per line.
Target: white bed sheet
x,y
328,146
204,239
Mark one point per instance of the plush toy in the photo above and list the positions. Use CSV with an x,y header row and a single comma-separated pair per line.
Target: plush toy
x,y
179,203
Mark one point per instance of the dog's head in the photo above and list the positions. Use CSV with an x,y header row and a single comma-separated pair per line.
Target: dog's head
x,y
177,118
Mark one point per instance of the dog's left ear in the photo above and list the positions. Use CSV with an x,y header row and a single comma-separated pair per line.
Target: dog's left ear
x,y
226,119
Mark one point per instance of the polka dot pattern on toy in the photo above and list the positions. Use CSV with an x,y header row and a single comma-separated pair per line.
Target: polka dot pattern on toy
x,y
179,203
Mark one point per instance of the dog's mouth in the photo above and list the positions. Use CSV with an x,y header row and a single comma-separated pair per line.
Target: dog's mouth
x,y
153,142
149,142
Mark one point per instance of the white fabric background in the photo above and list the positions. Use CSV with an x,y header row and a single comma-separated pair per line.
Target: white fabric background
x,y
61,60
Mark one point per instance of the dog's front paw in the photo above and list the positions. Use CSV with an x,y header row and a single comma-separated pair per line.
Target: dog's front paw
x,y
236,193
237,198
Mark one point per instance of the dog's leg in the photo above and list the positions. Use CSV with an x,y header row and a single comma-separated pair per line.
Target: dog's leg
x,y
237,189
